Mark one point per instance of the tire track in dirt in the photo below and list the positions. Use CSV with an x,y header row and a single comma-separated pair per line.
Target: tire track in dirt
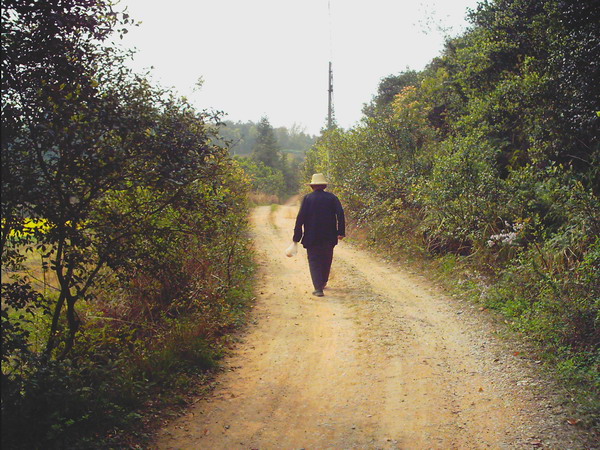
x,y
382,361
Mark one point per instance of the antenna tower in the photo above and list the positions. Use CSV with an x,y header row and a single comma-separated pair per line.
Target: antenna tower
x,y
330,100
330,86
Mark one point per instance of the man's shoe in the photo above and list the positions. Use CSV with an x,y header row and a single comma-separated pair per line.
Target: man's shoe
x,y
318,293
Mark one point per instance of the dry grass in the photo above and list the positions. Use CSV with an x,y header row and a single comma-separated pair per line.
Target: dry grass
x,y
260,198
43,280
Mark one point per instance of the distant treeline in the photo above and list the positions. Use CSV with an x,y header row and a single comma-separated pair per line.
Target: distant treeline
x,y
488,161
272,171
241,138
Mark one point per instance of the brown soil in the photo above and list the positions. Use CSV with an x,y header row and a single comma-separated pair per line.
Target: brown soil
x,y
384,360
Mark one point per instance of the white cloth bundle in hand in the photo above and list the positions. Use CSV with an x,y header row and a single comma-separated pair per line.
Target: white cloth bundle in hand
x,y
292,250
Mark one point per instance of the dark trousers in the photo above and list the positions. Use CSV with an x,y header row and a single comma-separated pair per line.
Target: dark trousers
x,y
319,262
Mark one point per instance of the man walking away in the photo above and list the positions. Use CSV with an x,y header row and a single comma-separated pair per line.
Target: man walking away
x,y
319,225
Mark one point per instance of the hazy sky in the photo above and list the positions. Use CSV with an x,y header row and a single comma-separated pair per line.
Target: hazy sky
x,y
270,57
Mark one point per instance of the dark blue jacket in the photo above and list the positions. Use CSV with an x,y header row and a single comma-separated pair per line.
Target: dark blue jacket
x,y
322,217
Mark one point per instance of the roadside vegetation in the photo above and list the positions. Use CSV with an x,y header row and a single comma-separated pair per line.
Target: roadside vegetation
x,y
487,163
125,260
272,172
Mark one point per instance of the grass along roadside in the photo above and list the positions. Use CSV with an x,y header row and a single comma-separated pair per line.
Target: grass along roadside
x,y
181,370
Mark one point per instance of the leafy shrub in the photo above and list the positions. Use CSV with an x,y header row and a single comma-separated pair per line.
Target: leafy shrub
x,y
264,179
144,230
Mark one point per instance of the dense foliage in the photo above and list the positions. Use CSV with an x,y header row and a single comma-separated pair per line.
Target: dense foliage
x,y
124,254
489,158
273,173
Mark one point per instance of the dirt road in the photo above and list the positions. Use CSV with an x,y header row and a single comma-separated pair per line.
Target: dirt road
x,y
384,360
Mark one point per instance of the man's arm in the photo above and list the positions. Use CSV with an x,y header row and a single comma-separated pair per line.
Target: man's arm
x,y
341,220
299,222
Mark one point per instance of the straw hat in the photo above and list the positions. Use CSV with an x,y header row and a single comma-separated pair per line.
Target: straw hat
x,y
317,178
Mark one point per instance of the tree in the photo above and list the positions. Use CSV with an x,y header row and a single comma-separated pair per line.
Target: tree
x,y
266,148
527,69
81,133
239,137
121,191
387,90
263,178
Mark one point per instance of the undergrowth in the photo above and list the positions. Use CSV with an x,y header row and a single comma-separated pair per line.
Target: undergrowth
x,y
130,364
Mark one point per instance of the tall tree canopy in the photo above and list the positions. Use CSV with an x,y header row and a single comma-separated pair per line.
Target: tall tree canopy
x,y
266,148
78,126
